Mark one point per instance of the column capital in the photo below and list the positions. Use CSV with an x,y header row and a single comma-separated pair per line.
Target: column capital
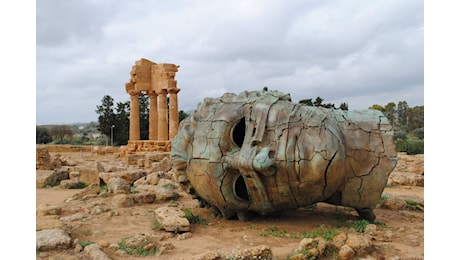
x,y
173,90
133,92
152,93
163,92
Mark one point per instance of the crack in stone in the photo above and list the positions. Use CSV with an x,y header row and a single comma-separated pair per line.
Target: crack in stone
x,y
327,170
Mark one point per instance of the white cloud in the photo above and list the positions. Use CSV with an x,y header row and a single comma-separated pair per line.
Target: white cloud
x,y
361,52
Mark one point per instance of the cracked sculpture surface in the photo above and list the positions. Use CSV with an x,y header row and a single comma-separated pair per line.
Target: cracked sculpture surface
x,y
258,152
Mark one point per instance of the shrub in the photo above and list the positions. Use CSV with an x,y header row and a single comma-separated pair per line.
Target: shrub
x,y
410,146
193,219
360,225
273,231
85,243
323,232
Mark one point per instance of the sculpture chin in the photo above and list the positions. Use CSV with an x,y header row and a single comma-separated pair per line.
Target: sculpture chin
x,y
259,153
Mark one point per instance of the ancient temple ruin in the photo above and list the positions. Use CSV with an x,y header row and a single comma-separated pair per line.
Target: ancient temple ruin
x,y
157,81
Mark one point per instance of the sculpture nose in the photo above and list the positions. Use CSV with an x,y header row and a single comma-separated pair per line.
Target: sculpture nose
x,y
263,161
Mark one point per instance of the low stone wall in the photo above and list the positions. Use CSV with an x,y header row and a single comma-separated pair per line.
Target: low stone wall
x,y
64,148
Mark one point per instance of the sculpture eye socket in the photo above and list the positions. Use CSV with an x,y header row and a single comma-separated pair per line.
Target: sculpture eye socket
x,y
238,133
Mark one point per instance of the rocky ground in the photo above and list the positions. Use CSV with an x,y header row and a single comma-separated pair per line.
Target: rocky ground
x,y
124,219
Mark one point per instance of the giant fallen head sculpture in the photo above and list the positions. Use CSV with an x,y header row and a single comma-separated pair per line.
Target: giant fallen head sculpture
x,y
257,152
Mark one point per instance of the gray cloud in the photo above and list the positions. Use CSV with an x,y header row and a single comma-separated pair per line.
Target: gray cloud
x,y
359,52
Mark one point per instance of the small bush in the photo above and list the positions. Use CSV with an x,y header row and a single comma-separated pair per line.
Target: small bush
x,y
193,219
273,231
410,146
413,205
85,243
323,232
139,251
360,225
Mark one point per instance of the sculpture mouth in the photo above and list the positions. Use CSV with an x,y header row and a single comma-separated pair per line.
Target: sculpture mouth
x,y
240,189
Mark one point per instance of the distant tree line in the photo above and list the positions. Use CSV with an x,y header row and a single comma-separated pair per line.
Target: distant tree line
x,y
69,134
59,132
408,125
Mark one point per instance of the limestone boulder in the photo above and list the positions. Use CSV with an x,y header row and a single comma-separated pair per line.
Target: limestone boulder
x,y
89,173
149,179
172,219
49,222
130,175
118,185
52,239
122,200
46,178
46,209
43,159
95,251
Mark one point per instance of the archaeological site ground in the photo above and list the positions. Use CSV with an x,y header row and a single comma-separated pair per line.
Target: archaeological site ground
x,y
123,217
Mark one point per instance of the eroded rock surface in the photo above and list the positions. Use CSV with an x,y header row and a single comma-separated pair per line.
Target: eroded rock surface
x,y
257,152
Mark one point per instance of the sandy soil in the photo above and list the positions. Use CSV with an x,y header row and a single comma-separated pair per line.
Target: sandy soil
x,y
405,226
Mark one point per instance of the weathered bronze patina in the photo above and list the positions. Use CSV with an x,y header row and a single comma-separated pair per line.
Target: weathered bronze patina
x,y
258,152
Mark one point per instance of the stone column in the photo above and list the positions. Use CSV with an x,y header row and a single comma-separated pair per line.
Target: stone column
x,y
134,117
153,116
173,112
163,116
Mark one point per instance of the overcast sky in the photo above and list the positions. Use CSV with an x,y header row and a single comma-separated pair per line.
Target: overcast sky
x,y
358,52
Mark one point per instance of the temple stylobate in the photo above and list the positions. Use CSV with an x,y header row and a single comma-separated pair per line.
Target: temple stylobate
x,y
157,81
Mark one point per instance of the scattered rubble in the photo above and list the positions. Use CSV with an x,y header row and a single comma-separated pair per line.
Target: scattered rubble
x,y
121,187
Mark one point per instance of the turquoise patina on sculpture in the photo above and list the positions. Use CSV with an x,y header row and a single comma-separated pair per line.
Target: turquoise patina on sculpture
x,y
258,152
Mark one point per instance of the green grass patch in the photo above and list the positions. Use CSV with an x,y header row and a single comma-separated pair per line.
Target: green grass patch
x,y
322,231
155,223
193,219
139,251
413,205
273,231
85,243
360,225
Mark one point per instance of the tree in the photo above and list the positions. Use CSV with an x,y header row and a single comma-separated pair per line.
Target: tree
x,y
106,116
61,131
144,116
182,115
377,107
343,106
318,102
390,111
42,136
415,117
121,129
307,102
402,113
